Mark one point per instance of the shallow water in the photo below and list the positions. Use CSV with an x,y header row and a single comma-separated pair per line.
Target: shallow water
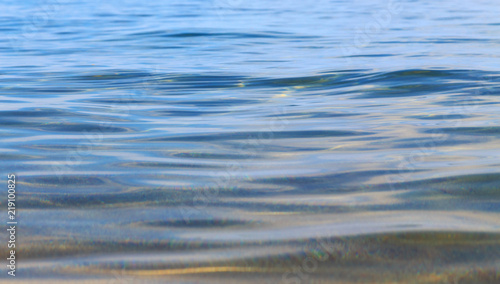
x,y
231,142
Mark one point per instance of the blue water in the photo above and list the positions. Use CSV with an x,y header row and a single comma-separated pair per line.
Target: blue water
x,y
231,141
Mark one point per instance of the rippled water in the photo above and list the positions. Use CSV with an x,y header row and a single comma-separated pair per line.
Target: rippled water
x,y
230,141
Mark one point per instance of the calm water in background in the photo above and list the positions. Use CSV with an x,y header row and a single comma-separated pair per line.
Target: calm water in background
x,y
227,141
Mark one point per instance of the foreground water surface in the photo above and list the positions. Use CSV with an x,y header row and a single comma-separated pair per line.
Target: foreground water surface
x,y
252,142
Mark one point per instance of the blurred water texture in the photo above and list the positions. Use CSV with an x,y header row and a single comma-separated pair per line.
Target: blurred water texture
x,y
253,141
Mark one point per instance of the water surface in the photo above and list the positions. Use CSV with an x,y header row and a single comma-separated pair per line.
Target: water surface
x,y
253,142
